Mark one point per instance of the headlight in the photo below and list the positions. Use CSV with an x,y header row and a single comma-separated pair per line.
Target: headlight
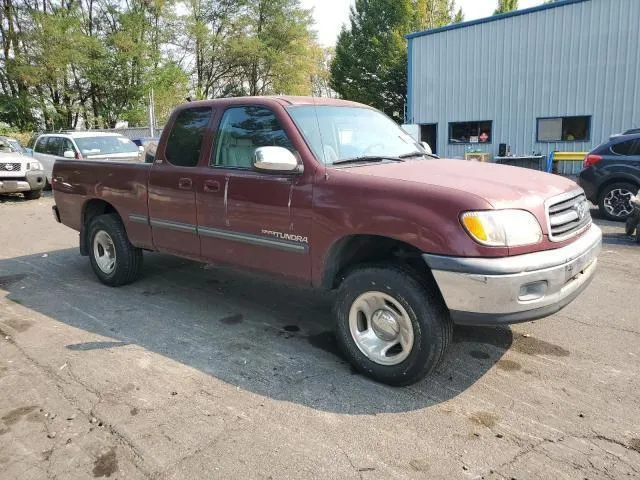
x,y
34,166
502,228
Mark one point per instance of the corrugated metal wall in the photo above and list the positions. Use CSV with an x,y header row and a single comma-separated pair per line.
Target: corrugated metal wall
x,y
577,59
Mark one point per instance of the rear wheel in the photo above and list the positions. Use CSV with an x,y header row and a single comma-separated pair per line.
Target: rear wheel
x,y
32,194
631,225
113,259
615,200
391,324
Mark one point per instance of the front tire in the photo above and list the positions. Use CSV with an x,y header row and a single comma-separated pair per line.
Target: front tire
x,y
391,324
32,194
113,259
615,201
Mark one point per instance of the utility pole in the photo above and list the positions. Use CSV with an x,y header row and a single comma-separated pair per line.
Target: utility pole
x,y
152,115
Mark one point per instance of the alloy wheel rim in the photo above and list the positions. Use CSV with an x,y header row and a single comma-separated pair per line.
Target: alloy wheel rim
x,y
618,202
381,328
104,252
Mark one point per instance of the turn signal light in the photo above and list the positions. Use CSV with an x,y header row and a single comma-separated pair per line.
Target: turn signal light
x,y
591,160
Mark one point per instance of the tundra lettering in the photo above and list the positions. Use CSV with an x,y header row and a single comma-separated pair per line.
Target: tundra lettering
x,y
410,243
286,236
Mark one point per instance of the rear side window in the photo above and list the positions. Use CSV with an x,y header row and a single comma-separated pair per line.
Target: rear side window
x,y
625,148
41,145
185,140
54,146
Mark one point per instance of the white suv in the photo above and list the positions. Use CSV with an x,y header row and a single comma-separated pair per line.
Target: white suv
x,y
83,146
18,172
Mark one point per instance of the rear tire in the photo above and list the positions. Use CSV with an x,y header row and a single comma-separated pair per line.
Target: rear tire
x,y
113,259
631,225
391,324
32,194
612,201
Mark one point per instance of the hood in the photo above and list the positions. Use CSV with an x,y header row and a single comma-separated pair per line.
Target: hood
x,y
12,157
503,186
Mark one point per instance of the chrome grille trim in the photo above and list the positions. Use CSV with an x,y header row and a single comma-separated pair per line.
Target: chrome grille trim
x,y
563,218
14,167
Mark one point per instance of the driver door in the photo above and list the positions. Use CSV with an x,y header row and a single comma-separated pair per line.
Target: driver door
x,y
267,216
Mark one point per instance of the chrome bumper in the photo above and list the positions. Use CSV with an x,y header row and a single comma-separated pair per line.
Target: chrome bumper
x,y
33,180
14,186
489,291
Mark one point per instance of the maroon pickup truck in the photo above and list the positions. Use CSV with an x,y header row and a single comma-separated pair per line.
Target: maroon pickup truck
x,y
334,195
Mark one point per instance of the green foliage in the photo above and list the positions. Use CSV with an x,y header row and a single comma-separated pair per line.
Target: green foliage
x,y
505,6
370,64
92,63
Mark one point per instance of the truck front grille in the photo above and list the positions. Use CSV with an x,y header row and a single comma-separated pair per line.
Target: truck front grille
x,y
568,215
9,167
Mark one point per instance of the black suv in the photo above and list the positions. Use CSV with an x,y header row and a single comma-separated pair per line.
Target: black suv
x,y
611,175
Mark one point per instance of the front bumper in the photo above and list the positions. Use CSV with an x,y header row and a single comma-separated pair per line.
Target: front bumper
x,y
33,180
492,291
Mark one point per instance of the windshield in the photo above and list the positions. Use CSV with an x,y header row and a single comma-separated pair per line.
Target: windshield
x,y
105,145
336,134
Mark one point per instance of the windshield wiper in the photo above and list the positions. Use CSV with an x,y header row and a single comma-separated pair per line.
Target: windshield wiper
x,y
367,158
417,154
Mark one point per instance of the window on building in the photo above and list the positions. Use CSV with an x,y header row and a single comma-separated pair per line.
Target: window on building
x,y
630,147
185,139
470,132
564,129
244,129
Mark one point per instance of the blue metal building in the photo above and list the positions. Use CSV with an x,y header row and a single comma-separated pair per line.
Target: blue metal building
x,y
563,76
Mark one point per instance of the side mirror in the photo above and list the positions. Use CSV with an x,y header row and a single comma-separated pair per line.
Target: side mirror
x,y
275,160
426,146
69,154
140,148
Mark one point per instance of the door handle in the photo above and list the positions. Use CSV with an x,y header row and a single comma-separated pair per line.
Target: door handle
x,y
211,186
185,183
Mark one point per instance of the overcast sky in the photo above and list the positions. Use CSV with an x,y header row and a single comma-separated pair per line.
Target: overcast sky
x,y
331,14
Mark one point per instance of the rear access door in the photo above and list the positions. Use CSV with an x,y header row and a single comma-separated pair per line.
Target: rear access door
x,y
172,184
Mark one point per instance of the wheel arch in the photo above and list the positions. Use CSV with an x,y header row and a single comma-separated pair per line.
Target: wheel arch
x,y
91,209
619,178
352,250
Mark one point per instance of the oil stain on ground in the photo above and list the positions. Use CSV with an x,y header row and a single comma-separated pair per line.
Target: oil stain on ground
x,y
18,325
16,414
535,346
291,328
106,465
232,319
486,419
508,365
7,280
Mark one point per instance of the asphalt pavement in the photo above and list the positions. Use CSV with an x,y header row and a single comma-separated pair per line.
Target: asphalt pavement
x,y
197,371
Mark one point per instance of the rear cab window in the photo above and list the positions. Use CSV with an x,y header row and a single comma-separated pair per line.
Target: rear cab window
x,y
185,139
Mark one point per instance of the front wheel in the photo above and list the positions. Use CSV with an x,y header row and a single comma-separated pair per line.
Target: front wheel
x,y
392,325
32,194
615,201
113,259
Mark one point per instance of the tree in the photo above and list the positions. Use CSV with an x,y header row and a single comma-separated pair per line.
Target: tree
x,y
505,6
370,64
275,48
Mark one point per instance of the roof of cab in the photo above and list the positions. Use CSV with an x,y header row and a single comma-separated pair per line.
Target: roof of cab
x,y
282,100
82,134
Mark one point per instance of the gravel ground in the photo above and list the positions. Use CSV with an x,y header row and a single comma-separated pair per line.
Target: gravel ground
x,y
200,372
